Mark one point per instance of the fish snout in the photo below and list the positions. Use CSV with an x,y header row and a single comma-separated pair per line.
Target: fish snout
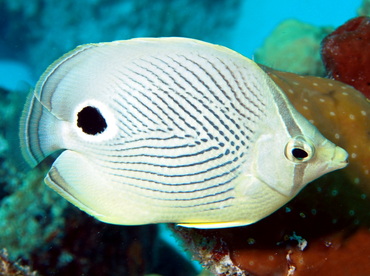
x,y
340,158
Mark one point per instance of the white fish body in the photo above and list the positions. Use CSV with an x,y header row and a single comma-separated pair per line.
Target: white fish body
x,y
171,130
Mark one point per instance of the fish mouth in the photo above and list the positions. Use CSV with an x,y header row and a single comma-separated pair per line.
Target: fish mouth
x,y
339,159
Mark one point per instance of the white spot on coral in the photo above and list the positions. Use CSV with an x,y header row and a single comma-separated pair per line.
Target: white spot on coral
x,y
227,262
305,100
355,146
330,84
351,116
290,91
344,88
332,113
353,155
366,172
305,107
356,180
363,112
322,100
271,258
312,121
292,268
344,93
337,136
315,84
295,83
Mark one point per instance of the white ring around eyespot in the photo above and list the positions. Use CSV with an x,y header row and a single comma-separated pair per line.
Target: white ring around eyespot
x,y
108,133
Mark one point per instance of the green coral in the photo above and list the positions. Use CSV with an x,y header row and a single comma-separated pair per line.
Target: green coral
x,y
294,46
364,10
30,216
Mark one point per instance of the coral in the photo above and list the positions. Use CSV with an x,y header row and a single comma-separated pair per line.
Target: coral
x,y
325,229
346,55
82,22
8,268
29,216
364,10
294,47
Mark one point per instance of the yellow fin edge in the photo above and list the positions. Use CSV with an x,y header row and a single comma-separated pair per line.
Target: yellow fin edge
x,y
213,225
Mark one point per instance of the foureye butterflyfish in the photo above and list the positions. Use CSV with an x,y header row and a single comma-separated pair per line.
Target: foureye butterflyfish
x,y
171,130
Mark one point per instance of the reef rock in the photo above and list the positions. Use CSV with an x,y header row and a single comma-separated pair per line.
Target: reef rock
x,y
9,268
346,54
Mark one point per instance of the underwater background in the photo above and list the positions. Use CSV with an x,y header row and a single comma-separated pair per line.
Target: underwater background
x,y
323,231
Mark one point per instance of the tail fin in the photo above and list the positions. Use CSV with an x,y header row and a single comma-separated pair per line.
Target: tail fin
x,y
37,132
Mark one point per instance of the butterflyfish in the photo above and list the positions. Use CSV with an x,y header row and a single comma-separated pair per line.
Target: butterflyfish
x,y
154,130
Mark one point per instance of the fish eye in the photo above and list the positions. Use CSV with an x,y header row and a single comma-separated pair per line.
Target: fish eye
x,y
299,149
91,121
299,154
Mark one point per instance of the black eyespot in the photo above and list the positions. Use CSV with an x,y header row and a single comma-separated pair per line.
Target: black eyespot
x,y
90,120
298,153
